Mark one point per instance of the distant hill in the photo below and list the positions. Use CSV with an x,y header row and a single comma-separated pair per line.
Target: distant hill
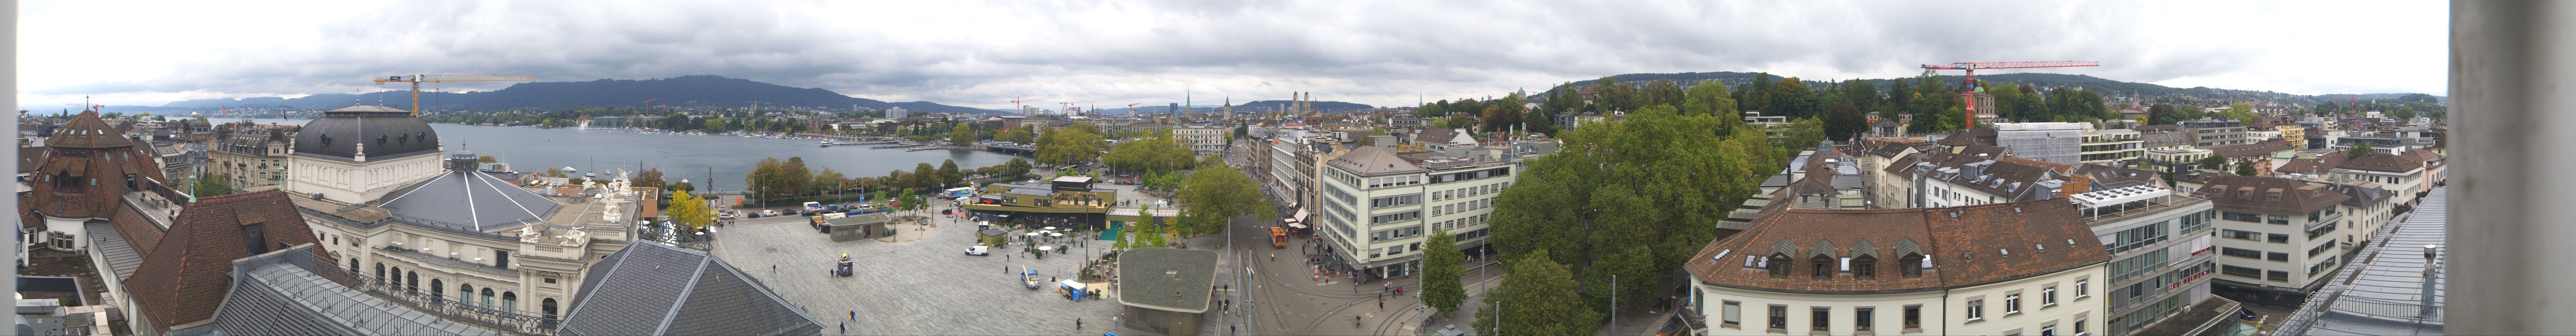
x,y
695,90
2106,86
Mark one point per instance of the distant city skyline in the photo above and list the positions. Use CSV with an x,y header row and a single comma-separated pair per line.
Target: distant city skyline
x,y
1376,53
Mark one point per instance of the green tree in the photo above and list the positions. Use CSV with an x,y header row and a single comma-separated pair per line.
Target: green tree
x,y
2213,163
690,211
830,181
961,135
2245,168
680,186
925,176
647,178
1535,292
1633,182
2358,150
948,174
1442,268
210,185
487,159
1844,120
1803,133
1218,192
1069,145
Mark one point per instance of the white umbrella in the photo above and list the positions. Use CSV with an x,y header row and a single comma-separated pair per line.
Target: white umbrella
x,y
1056,234
1046,248
1050,228
1033,234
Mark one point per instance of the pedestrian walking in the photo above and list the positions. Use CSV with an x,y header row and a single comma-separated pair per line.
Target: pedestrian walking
x,y
854,315
1077,323
845,327
1381,305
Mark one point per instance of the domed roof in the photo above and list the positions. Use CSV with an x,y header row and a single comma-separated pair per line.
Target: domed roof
x,y
385,131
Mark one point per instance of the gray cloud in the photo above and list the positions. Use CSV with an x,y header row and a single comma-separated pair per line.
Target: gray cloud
x,y
1381,53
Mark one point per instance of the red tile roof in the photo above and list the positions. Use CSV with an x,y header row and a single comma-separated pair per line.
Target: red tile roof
x,y
187,271
2251,193
1968,246
2382,162
97,176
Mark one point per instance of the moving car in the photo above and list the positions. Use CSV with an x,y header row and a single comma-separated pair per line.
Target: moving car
x,y
769,213
979,250
1029,276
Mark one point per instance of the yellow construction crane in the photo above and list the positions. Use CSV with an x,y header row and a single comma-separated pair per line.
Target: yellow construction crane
x,y
416,79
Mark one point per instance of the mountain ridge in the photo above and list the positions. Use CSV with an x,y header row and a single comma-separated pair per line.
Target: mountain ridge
x,y
699,90
2043,79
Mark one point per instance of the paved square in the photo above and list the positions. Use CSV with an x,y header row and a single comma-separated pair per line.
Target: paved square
x,y
924,287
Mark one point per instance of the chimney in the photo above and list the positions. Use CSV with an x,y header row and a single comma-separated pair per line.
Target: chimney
x,y
2432,274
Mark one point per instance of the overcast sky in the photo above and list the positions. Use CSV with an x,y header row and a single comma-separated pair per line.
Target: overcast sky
x,y
1377,53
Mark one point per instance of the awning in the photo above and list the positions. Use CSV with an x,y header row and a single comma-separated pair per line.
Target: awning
x,y
1298,221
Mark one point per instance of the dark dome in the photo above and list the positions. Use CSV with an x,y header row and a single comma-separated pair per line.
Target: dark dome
x,y
387,132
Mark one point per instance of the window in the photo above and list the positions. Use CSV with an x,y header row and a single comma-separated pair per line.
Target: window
x,y
2278,256
2234,234
2048,330
2241,253
2012,304
2083,289
550,308
2240,271
1912,264
1778,265
1734,314
1976,310
1822,319
2277,219
550,280
501,259
1914,317
1824,269
2242,217
1864,318
1865,267
2048,297
2277,275
2079,324
63,241
510,302
2277,238
252,238
1779,318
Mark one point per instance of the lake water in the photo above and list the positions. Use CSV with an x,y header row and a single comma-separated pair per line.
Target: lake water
x,y
693,157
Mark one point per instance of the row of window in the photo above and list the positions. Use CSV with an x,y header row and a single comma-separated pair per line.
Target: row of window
x,y
1391,181
1390,201
409,281
1395,217
1462,176
1821,267
1398,233
1865,319
2254,254
2256,236
1469,191
1455,223
1462,206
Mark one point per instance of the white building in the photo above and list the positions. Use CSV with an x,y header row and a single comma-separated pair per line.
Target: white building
x,y
401,217
897,113
2275,237
2161,260
1378,208
1205,137
2021,268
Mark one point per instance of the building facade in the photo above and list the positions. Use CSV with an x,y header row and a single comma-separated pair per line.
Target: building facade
x,y
1379,208
2275,240
2207,132
2113,146
251,160
1905,271
1204,137
2162,258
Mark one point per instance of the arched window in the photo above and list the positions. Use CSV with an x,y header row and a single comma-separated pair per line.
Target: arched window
x,y
411,282
437,291
487,297
380,271
353,266
465,293
549,305
1865,267
1824,266
510,302
1913,264
1778,264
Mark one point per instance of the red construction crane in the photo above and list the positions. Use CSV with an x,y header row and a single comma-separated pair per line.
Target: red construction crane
x,y
1017,108
1970,90
1131,109
648,105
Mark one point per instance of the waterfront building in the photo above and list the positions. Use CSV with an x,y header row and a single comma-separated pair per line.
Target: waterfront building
x,y
1378,206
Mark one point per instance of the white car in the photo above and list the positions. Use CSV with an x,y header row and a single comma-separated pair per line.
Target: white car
x,y
769,213
724,216
978,250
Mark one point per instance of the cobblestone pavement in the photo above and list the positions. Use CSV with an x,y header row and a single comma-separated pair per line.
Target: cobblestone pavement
x,y
924,287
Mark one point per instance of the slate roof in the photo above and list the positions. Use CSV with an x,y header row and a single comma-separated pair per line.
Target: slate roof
x,y
2258,149
388,132
188,279
1901,165
2114,177
1373,161
31,157
1968,246
279,294
2383,292
121,255
2059,168
654,289
469,200
1145,274
2249,193
1975,136
97,165
2382,162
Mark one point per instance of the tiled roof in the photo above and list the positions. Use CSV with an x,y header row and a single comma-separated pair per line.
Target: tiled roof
x,y
1968,245
2319,165
1373,161
2250,193
2114,177
1901,165
99,179
653,289
30,157
2012,180
2381,162
190,264
88,131
2059,168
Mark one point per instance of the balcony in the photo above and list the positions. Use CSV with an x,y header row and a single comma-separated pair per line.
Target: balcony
x,y
419,257
458,310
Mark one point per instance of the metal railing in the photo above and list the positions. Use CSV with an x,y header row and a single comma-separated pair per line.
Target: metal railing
x,y
459,310
426,257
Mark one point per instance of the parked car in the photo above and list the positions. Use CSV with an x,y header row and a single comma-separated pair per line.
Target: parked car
x,y
769,213
724,216
979,250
